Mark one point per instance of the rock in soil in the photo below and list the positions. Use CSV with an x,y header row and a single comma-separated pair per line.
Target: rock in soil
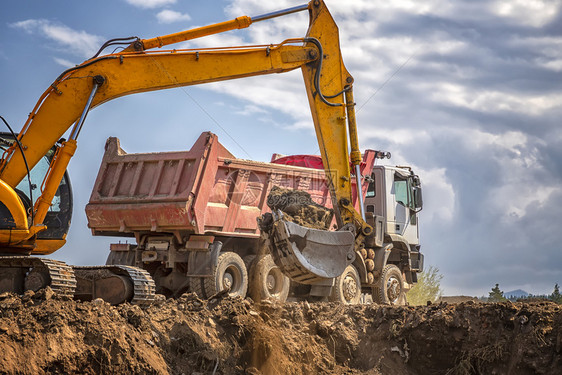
x,y
235,336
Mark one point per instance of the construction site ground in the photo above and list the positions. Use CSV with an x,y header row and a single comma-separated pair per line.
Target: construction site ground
x,y
43,333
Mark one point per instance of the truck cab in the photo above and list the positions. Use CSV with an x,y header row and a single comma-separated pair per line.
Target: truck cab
x,y
394,196
395,193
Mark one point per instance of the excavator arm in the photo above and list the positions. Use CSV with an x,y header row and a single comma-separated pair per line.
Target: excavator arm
x,y
129,73
137,68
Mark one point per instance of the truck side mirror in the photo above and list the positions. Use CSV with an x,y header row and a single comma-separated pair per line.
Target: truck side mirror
x,y
418,201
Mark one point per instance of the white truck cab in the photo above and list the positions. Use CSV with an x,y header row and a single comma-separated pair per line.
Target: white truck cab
x,y
393,201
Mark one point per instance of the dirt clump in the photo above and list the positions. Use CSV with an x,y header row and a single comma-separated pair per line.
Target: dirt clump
x,y
298,207
42,333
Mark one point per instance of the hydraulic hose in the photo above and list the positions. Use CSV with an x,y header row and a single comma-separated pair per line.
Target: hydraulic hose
x,y
318,45
26,167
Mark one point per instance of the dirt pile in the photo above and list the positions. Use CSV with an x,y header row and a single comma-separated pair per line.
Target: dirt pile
x,y
41,333
298,207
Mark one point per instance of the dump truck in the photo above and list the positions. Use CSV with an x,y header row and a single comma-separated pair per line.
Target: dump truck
x,y
191,217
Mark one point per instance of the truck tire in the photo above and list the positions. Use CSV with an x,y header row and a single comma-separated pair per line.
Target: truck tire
x,y
389,289
196,286
347,288
230,272
267,281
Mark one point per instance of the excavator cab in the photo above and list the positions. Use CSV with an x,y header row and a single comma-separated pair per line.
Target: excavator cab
x,y
58,217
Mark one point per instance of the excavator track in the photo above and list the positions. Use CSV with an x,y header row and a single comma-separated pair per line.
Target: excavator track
x,y
143,285
21,273
134,284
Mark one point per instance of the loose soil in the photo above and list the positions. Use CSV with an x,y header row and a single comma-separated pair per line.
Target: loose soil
x,y
42,333
298,207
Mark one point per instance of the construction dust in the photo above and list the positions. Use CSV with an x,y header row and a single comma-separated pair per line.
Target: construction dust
x,y
42,333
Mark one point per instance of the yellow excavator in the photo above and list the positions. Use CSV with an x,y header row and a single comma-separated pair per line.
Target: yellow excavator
x,y
35,194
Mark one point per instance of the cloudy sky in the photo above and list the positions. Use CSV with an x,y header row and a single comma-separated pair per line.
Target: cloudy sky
x,y
468,92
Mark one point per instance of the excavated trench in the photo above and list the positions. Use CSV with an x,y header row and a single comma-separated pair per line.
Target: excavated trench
x,y
43,333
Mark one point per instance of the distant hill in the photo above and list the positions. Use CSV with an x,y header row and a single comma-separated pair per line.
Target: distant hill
x,y
518,293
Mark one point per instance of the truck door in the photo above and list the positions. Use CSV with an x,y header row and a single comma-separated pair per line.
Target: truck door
x,y
405,216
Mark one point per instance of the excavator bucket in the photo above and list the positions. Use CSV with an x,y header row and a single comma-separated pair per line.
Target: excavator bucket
x,y
307,255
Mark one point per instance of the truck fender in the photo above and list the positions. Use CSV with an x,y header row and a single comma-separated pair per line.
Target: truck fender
x,y
202,263
360,266
401,245
404,247
381,257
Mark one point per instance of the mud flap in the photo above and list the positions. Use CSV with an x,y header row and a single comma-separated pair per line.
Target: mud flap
x,y
310,256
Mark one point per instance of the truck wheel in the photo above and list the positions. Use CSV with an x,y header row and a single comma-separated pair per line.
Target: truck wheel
x,y
267,281
389,289
229,273
347,288
196,285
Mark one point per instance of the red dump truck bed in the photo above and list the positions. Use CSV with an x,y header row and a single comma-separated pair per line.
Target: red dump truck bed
x,y
205,190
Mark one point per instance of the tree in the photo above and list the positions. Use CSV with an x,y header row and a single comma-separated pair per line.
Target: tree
x,y
496,295
428,287
556,296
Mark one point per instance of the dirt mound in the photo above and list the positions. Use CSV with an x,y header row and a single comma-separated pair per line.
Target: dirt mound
x,y
458,299
298,207
42,333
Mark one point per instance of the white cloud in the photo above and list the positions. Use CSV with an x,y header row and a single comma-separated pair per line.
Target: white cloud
x,y
150,4
216,40
519,157
283,92
514,200
242,7
64,62
410,6
403,136
491,101
171,16
548,50
535,13
78,42
251,109
439,195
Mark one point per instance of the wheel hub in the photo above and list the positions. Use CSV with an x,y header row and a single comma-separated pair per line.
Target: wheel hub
x,y
227,281
393,289
349,288
271,283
